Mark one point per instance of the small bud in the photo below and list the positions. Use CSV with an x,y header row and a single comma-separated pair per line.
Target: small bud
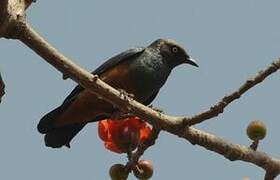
x,y
256,130
144,169
118,172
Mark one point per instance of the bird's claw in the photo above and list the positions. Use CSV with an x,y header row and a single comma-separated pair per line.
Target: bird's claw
x,y
120,115
155,108
125,94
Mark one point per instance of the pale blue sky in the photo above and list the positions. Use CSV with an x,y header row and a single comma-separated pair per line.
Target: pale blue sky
x,y
231,40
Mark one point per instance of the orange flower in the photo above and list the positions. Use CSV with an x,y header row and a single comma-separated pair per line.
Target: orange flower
x,y
120,136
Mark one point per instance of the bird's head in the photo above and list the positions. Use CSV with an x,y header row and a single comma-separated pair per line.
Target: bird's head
x,y
173,53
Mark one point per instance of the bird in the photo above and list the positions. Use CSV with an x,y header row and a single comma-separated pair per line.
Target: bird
x,y
140,71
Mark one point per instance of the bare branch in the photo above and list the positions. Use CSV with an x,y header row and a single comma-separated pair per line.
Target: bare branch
x,y
11,12
142,148
255,145
219,107
270,175
229,150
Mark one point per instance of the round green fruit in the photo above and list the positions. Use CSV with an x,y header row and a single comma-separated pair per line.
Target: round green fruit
x,y
256,130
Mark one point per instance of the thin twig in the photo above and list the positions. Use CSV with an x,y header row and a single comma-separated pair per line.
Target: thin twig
x,y
225,101
134,157
255,145
229,150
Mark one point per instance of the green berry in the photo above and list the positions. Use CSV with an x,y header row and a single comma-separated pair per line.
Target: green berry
x,y
256,130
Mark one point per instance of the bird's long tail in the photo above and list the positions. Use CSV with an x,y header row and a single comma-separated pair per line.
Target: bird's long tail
x,y
57,137
62,136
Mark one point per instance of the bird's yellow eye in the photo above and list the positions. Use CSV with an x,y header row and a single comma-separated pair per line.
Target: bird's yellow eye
x,y
174,49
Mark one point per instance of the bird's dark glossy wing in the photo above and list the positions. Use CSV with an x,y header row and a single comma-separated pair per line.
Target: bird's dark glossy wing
x,y
74,92
112,62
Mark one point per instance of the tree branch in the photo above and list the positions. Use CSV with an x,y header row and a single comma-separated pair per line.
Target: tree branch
x,y
229,150
11,12
142,148
270,175
219,107
14,26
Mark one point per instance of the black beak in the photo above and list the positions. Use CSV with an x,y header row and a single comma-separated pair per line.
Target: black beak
x,y
191,62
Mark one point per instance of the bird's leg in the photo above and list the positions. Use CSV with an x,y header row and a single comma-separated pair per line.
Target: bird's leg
x,y
155,108
118,115
124,94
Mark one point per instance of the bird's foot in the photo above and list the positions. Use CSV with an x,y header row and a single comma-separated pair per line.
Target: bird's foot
x,y
124,94
118,115
155,108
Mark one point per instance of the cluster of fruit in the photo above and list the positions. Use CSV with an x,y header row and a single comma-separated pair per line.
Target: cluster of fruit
x,y
143,170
